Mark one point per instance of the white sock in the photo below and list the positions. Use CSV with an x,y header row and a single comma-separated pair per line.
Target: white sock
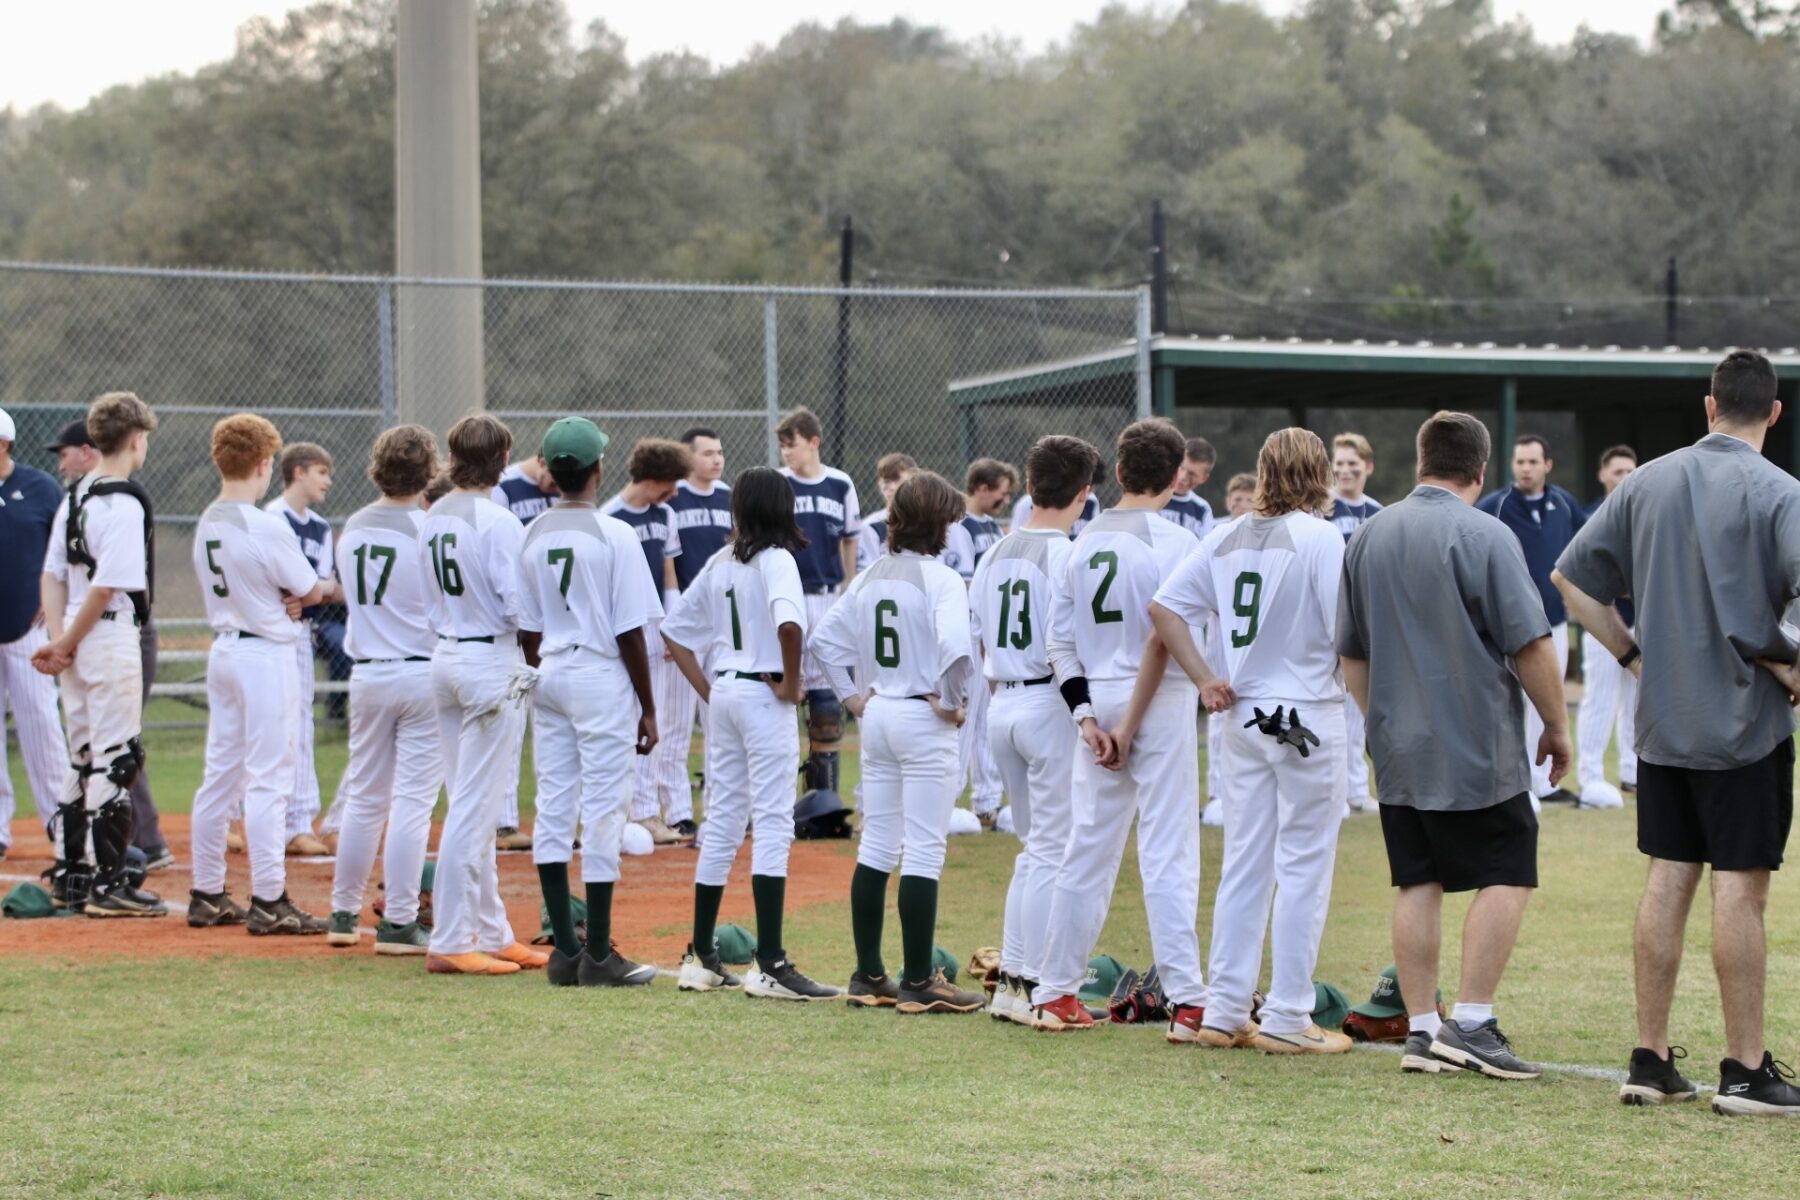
x,y
1471,1017
1426,1023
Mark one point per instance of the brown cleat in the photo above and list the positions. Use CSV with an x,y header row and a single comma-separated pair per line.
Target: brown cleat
x,y
468,964
1311,1040
234,838
511,837
1225,1039
305,845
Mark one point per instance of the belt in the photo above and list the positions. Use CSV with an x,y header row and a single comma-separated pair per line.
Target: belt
x,y
1019,683
363,662
752,676
824,589
113,614
241,635
487,639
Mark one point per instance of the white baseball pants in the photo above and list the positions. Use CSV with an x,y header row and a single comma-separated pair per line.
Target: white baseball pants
x,y
1541,783
586,758
477,729
1608,703
1214,735
812,675
103,705
31,695
752,759
252,736
660,778
392,779
975,757
508,817
1282,815
1159,786
1356,747
908,756
1033,744
303,797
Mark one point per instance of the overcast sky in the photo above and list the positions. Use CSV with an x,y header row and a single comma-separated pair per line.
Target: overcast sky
x,y
68,50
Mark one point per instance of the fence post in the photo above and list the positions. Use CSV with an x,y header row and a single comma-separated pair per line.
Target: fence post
x,y
1143,353
384,341
771,380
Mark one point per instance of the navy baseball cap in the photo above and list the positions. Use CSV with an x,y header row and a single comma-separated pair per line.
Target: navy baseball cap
x,y
75,433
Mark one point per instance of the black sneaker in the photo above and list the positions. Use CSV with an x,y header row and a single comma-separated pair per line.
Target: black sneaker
x,y
782,980
1561,795
873,991
705,973
937,995
1756,1092
280,915
1655,1080
159,859
1484,1049
216,908
1417,1058
686,827
614,971
123,900
563,970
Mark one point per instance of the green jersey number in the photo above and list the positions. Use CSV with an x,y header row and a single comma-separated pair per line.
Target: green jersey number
x,y
887,638
1109,560
565,558
737,630
443,564
1021,632
1246,602
381,554
220,588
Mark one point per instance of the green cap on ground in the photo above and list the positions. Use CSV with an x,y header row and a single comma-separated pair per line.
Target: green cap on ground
x,y
737,945
574,442
577,914
27,900
1385,1001
428,875
1330,1006
1103,974
943,960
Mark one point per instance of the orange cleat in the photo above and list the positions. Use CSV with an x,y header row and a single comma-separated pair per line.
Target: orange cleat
x,y
468,964
523,956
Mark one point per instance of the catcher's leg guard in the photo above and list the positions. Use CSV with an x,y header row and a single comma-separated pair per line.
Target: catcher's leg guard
x,y
824,730
112,820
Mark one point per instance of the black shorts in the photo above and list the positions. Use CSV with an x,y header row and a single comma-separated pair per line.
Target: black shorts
x,y
1463,851
1736,820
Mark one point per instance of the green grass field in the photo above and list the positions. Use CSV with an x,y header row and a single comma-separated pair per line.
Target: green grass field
x,y
351,1076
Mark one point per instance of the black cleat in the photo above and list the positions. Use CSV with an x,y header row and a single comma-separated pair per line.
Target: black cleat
x,y
206,910
782,980
873,991
1763,1091
563,970
123,900
614,971
280,915
1655,1080
1561,795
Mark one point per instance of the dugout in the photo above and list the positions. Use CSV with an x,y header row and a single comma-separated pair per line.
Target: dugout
x,y
1647,398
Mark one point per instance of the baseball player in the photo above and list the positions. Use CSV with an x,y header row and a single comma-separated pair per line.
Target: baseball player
x,y
471,550
1186,507
28,503
305,480
1021,512
1609,691
1010,602
1352,462
97,588
1239,490
903,627
1099,636
745,616
663,801
988,486
585,603
395,768
1545,519
254,581
891,471
826,510
1270,582
702,507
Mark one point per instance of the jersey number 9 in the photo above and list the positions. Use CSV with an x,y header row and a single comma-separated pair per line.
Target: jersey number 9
x,y
1246,601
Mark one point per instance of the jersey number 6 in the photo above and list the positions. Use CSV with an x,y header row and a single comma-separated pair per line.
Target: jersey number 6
x,y
887,638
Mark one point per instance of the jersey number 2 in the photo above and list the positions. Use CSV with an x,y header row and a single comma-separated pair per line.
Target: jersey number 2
x,y
1021,633
1110,560
1246,601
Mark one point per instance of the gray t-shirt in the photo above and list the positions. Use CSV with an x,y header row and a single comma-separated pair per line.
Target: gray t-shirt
x,y
1706,541
1437,599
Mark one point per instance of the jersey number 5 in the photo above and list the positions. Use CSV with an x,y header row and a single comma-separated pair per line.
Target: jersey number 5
x,y
1246,601
1021,633
887,638
443,564
385,556
220,588
1109,560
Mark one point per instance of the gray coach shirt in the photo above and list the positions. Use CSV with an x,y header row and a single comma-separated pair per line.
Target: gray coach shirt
x,y
1706,541
1437,599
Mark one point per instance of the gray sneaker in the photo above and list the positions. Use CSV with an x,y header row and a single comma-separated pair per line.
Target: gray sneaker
x,y
1484,1049
1417,1058
343,931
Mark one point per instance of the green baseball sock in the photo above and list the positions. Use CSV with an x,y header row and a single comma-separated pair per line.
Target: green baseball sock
x,y
769,892
918,923
868,900
599,897
554,879
707,897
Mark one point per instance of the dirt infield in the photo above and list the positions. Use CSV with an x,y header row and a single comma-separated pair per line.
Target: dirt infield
x,y
651,912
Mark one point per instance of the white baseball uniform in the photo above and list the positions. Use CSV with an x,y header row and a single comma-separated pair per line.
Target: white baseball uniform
x,y
395,767
1028,726
583,583
903,627
1608,705
965,543
470,549
1271,584
1099,626
1541,783
731,616
303,797
31,695
245,559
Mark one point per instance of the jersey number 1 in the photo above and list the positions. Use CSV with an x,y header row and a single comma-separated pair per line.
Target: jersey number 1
x,y
737,630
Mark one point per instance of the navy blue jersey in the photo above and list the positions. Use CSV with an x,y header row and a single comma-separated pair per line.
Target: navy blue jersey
x,y
1190,512
825,508
314,534
1349,517
656,533
523,498
1545,525
983,533
28,502
1022,513
704,521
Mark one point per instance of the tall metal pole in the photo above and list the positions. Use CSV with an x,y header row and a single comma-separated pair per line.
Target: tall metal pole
x,y
771,381
1671,294
840,367
1159,271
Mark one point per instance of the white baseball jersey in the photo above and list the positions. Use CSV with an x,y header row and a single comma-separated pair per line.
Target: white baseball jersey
x,y
904,626
1101,614
246,559
582,581
470,553
1011,598
387,590
732,614
1271,584
113,526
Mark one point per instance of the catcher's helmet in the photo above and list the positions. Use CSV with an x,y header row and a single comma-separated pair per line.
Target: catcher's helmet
x,y
820,814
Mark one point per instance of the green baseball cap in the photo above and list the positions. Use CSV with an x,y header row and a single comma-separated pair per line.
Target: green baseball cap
x,y
736,944
943,960
575,441
1103,974
1330,1006
428,876
1385,1001
547,935
27,900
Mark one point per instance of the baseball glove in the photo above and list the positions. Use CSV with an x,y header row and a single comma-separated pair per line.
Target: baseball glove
x,y
1140,1000
984,965
1375,1029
